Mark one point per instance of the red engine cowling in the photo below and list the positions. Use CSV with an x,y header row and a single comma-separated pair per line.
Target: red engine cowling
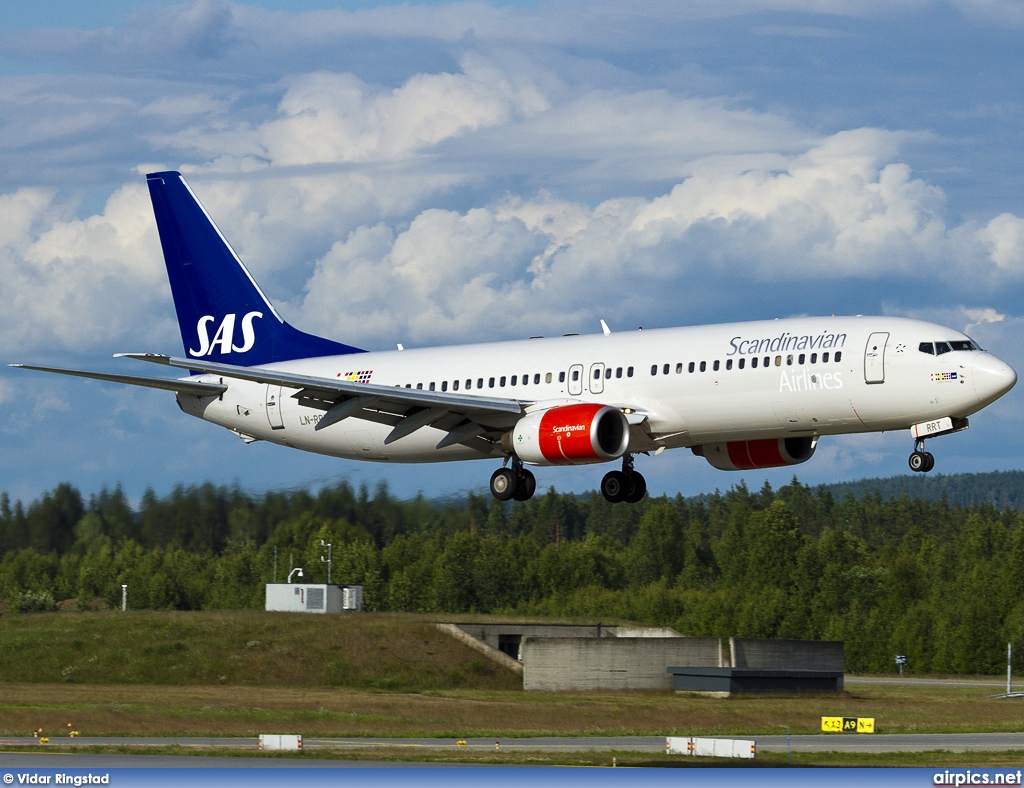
x,y
750,455
570,435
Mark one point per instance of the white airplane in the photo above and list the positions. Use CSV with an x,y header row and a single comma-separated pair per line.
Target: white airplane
x,y
741,395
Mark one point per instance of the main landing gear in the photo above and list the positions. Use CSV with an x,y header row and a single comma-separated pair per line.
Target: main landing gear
x,y
515,483
625,485
921,461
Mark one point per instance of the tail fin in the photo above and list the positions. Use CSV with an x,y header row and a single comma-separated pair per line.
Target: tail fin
x,y
222,313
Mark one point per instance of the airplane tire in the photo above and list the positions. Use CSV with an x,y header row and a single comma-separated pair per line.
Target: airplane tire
x,y
613,486
503,484
526,486
929,462
637,488
918,461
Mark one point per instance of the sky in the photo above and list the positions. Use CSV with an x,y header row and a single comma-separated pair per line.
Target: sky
x,y
448,172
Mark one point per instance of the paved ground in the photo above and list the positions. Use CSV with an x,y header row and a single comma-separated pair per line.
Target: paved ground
x,y
920,742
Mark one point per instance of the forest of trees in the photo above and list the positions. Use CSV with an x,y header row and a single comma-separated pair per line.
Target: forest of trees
x,y
941,583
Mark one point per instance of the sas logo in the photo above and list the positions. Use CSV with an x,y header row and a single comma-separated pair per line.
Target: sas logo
x,y
225,335
362,376
938,376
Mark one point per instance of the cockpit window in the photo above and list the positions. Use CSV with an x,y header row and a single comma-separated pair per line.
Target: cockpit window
x,y
927,347
941,347
963,344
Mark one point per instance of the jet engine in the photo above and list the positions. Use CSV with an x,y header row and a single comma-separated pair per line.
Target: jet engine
x,y
577,434
764,453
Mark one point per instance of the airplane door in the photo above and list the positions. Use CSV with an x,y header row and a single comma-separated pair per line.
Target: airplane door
x,y
576,379
596,378
874,358
274,407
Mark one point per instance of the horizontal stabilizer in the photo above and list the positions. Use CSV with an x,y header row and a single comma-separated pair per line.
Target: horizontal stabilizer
x,y
180,386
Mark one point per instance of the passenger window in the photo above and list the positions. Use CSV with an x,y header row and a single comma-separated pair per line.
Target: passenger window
x,y
789,360
728,363
618,372
480,383
801,360
608,373
778,361
753,363
512,382
408,385
927,347
455,385
561,377
654,369
691,367
839,356
469,383
490,383
824,358
597,374
679,368
814,358
715,365
629,372
419,386
703,366
536,378
767,361
431,386
941,347
743,362
575,375
664,370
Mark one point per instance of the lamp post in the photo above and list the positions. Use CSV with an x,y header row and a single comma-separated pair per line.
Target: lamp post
x,y
328,561
296,570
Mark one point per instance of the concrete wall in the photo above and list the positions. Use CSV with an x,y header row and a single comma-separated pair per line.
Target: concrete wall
x,y
489,651
490,633
786,654
590,663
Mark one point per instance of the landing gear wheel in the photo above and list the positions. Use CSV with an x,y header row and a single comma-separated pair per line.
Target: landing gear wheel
x,y
503,484
921,461
526,486
613,486
637,488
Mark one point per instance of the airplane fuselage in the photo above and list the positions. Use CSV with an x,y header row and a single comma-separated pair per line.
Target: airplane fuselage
x,y
685,386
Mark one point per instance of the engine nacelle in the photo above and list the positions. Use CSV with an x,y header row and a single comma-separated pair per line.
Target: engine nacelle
x,y
764,453
576,434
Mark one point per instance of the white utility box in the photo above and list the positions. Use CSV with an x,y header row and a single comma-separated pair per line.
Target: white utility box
x,y
280,741
313,597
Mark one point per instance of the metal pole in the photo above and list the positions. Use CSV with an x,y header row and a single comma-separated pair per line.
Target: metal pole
x,y
124,597
1009,667
275,563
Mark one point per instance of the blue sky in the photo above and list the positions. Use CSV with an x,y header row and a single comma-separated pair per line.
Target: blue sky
x,y
446,172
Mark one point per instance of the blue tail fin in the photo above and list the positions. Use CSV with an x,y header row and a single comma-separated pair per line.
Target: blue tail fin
x,y
222,313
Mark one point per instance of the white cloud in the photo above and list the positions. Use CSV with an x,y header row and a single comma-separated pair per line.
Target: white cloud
x,y
78,283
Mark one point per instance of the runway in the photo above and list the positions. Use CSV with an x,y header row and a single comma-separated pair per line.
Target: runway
x,y
51,755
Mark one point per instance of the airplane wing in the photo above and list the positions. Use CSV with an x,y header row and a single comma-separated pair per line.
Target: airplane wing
x,y
180,386
465,418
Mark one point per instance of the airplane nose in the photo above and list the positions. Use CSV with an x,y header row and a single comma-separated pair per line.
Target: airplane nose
x,y
992,377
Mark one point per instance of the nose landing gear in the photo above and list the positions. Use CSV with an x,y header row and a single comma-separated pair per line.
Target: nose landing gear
x,y
513,483
921,461
625,485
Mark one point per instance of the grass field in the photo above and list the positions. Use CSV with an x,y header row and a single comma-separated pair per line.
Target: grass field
x,y
378,651
242,673
100,710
